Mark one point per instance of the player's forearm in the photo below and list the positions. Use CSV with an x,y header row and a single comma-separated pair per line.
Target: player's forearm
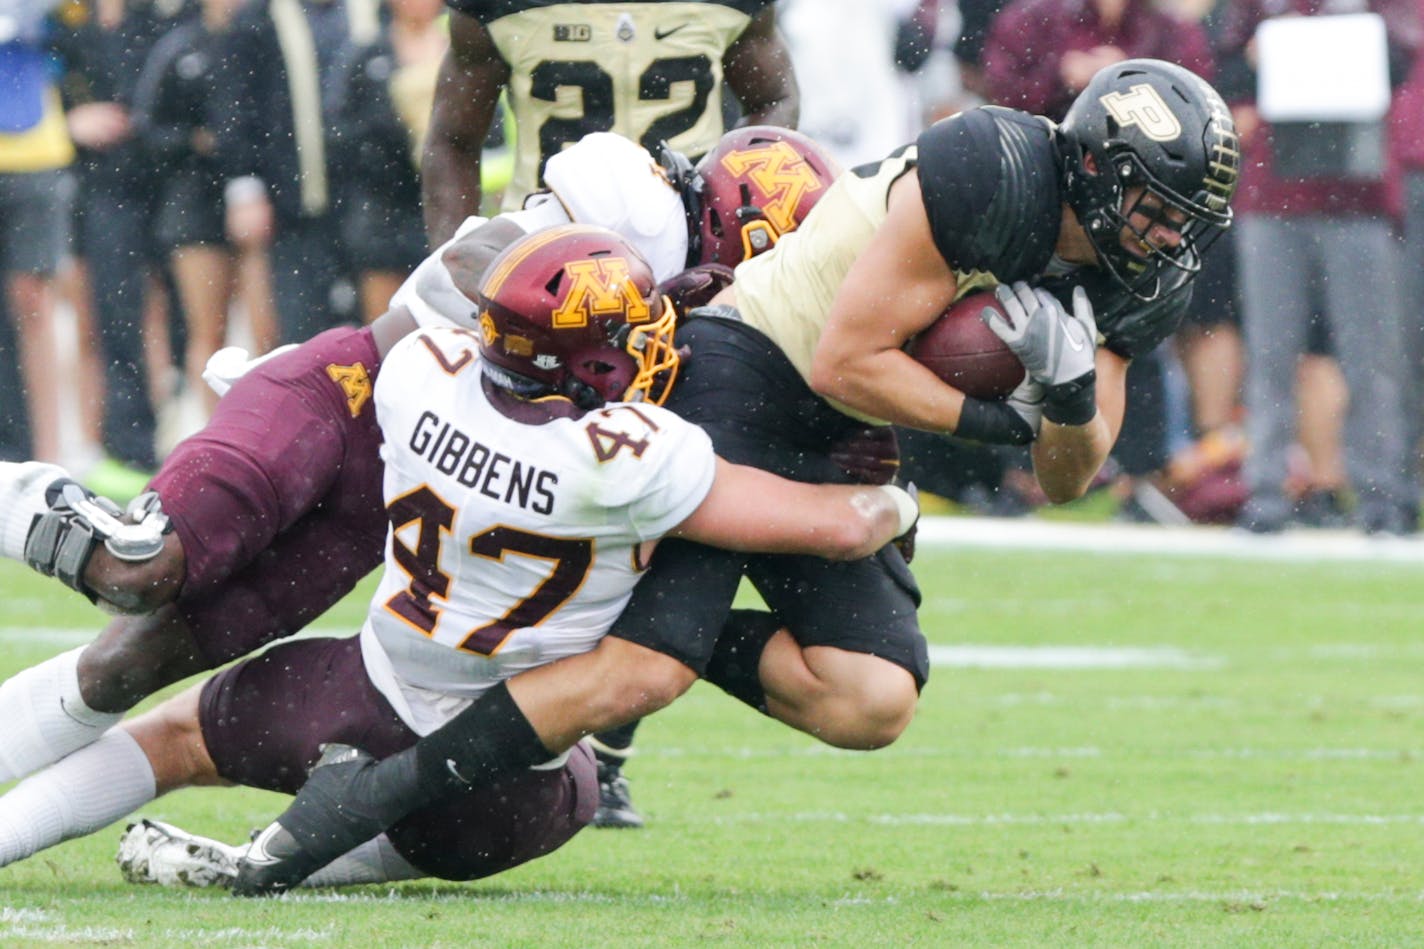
x,y
759,72
755,511
1066,458
615,683
849,522
889,386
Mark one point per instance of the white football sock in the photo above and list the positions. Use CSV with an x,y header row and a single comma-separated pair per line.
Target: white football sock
x,y
45,716
22,496
85,792
375,861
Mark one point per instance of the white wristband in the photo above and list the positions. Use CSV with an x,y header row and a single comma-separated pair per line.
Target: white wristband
x,y
905,506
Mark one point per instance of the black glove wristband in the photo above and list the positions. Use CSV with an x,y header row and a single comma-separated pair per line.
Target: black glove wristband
x,y
1072,403
994,423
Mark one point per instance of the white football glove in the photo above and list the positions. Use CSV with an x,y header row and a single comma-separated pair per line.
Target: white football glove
x,y
1054,346
231,363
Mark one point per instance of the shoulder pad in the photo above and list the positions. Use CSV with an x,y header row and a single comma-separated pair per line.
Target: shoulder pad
x,y
989,182
606,180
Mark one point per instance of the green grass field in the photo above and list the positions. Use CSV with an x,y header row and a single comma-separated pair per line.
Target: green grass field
x,y
1250,775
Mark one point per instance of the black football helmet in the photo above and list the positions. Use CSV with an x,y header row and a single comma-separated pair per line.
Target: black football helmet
x,y
1149,123
759,183
574,311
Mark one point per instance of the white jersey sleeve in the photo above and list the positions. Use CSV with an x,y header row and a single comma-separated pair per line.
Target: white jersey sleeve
x,y
513,541
603,180
429,293
609,181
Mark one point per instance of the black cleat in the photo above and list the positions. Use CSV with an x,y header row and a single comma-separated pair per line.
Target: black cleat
x,y
328,818
615,803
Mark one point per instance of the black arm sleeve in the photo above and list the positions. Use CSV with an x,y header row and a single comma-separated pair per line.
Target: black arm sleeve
x,y
165,140
234,110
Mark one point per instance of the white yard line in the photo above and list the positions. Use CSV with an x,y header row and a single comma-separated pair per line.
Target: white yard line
x,y
1031,533
1070,657
1250,899
1053,820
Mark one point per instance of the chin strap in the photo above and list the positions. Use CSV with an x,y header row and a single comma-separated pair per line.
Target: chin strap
x,y
62,540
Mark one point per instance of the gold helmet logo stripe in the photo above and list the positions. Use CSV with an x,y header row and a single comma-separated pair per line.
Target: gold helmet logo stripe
x,y
782,176
496,278
598,287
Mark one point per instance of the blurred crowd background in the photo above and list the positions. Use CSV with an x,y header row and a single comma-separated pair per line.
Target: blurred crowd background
x,y
180,175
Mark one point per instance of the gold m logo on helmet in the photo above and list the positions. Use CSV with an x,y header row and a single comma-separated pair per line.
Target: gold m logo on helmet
x,y
781,175
599,287
1144,107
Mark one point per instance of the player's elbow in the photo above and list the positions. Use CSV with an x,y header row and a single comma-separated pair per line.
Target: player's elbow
x,y
1061,485
856,536
1063,493
828,376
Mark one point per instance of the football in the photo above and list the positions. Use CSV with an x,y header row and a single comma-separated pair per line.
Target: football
x,y
965,353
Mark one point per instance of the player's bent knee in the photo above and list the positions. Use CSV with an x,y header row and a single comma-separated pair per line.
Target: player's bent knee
x,y
885,719
862,726
865,702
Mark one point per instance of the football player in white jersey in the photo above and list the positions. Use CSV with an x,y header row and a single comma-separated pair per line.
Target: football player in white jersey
x,y
524,501
650,70
287,474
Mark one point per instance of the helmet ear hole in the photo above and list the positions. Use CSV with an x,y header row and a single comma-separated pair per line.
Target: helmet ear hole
x,y
714,223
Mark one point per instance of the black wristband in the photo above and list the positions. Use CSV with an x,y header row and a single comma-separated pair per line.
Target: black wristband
x,y
489,738
994,423
1072,403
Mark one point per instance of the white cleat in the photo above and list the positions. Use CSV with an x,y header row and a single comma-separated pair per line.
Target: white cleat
x,y
151,851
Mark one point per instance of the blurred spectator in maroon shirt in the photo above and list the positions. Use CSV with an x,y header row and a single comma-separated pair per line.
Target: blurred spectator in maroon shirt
x,y
1041,53
1318,244
1407,145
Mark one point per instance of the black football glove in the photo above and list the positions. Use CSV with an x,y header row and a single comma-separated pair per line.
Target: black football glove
x,y
905,543
869,455
696,286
